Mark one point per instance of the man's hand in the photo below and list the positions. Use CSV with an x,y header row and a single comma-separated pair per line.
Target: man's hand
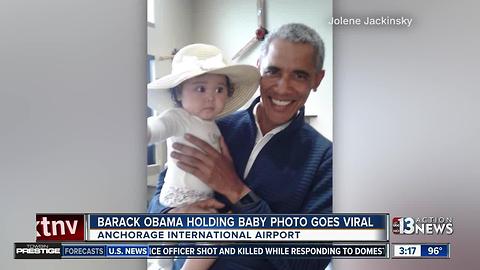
x,y
208,206
212,167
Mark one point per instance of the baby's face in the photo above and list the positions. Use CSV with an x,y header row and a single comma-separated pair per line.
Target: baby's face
x,y
205,95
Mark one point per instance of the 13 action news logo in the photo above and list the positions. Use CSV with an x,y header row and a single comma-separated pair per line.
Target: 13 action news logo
x,y
422,225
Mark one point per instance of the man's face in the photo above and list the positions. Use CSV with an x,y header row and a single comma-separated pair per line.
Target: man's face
x,y
288,75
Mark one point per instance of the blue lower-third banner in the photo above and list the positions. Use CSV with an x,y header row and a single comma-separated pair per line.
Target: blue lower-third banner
x,y
126,251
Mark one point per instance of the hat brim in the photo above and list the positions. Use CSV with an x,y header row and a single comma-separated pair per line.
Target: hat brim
x,y
244,78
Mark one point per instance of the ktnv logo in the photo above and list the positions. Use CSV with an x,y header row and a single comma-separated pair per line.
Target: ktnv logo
x,y
422,225
60,227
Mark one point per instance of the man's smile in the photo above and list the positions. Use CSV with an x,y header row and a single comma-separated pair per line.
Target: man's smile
x,y
279,102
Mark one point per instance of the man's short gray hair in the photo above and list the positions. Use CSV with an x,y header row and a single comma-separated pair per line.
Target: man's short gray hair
x,y
297,33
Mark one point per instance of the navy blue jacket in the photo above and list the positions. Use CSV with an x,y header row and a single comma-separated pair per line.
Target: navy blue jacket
x,y
292,174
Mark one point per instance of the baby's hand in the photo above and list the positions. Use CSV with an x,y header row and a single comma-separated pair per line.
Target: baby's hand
x,y
208,206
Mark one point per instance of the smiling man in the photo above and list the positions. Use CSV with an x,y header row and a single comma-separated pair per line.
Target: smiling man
x,y
278,163
289,72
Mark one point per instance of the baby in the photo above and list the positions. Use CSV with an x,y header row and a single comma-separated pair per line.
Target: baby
x,y
203,86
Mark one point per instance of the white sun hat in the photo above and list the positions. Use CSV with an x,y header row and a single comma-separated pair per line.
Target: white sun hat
x,y
198,59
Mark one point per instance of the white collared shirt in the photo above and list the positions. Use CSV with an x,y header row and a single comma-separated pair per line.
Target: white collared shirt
x,y
261,140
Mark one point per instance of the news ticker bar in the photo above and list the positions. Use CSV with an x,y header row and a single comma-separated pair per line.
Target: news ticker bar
x,y
416,251
212,228
125,251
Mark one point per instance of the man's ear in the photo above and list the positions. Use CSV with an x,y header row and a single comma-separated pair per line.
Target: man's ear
x,y
318,79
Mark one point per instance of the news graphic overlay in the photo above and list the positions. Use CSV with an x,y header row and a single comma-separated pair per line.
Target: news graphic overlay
x,y
274,250
422,225
428,226
82,251
421,251
143,251
37,251
237,228
140,236
60,227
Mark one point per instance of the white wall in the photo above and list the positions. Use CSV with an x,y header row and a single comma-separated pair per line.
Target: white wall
x,y
173,29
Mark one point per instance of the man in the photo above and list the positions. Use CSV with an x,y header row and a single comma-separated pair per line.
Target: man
x,y
279,164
